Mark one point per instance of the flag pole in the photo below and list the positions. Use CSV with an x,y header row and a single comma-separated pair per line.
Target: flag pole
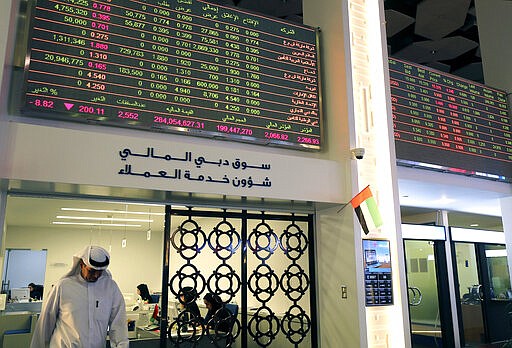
x,y
343,207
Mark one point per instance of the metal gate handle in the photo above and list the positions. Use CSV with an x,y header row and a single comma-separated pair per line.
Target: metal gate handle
x,y
415,299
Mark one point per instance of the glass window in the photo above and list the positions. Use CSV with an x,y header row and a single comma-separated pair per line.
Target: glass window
x,y
131,232
497,269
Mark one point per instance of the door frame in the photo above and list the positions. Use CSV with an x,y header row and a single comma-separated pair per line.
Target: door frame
x,y
478,238
437,235
245,217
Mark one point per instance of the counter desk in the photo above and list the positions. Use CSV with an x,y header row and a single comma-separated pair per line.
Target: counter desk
x,y
155,343
16,328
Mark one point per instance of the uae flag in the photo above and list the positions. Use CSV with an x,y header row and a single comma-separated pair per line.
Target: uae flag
x,y
366,210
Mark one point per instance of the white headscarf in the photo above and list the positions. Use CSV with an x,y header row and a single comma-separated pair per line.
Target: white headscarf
x,y
93,256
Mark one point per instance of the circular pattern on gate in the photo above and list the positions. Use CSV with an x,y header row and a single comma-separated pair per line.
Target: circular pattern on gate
x,y
294,282
216,328
187,276
188,239
295,324
224,240
186,328
263,283
264,326
263,241
224,280
293,241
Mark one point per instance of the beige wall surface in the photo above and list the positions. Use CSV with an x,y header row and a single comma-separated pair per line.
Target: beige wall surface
x,y
139,262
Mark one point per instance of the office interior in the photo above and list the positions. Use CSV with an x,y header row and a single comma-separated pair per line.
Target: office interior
x,y
449,233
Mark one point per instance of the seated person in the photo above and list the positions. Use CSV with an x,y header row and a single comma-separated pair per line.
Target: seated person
x,y
218,318
189,316
187,297
143,292
36,291
188,324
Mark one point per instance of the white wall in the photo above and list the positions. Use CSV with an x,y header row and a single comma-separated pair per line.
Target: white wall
x,y
139,262
336,266
341,321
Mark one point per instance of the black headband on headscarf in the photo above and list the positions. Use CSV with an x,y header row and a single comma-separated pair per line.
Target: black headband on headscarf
x,y
99,264
96,257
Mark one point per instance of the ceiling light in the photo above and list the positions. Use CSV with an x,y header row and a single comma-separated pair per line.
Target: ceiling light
x,y
93,224
496,253
101,218
444,200
474,225
148,232
130,203
111,211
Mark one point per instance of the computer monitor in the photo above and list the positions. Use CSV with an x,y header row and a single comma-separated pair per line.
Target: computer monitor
x,y
20,294
172,311
130,298
155,298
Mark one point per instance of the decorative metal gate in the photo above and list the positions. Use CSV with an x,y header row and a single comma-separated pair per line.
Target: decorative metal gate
x,y
260,263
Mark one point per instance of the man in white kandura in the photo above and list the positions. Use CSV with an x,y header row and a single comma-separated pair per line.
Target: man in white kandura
x,y
82,306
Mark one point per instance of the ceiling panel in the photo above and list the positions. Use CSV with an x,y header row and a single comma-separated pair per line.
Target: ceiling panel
x,y
447,28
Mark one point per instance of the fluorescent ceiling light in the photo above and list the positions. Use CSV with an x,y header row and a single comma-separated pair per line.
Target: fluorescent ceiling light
x,y
496,253
444,200
478,236
410,231
101,218
112,211
93,224
124,204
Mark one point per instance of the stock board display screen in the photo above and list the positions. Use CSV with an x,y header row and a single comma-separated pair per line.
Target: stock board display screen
x,y
181,66
443,120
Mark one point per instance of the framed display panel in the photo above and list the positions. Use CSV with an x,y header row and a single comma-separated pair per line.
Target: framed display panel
x,y
377,272
446,123
186,66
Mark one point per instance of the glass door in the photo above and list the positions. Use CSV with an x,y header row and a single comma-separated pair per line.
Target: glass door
x,y
428,309
469,295
497,294
485,295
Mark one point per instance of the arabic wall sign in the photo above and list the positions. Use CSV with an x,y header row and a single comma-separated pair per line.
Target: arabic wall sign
x,y
184,66
450,123
194,167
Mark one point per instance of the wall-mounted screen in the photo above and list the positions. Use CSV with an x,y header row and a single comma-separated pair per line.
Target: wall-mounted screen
x,y
377,272
186,66
444,122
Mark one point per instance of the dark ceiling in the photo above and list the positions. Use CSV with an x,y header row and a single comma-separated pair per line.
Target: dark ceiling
x,y
441,34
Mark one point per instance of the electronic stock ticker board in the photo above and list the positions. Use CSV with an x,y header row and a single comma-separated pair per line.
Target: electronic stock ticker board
x,y
451,123
180,66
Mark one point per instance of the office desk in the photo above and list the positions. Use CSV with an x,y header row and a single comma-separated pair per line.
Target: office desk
x,y
16,328
151,339
33,307
140,333
155,343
